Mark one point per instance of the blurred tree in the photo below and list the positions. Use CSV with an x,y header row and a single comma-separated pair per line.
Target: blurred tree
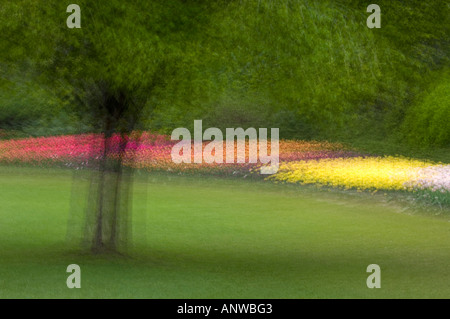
x,y
110,71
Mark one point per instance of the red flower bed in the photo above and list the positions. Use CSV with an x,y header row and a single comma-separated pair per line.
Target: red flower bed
x,y
146,151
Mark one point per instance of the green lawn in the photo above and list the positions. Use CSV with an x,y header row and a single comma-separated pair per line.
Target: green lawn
x,y
209,238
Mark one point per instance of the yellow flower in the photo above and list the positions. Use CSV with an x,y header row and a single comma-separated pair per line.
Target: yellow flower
x,y
389,173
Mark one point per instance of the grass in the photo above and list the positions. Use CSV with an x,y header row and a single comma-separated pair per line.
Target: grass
x,y
210,238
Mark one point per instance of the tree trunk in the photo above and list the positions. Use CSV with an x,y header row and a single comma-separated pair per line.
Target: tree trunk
x,y
107,212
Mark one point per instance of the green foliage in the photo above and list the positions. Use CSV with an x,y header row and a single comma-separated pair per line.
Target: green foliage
x,y
439,199
427,122
311,68
23,103
122,56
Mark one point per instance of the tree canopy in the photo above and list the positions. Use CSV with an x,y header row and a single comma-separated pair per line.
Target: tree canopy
x,y
312,68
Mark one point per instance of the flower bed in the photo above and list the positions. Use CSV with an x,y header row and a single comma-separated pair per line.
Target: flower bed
x,y
305,162
367,173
